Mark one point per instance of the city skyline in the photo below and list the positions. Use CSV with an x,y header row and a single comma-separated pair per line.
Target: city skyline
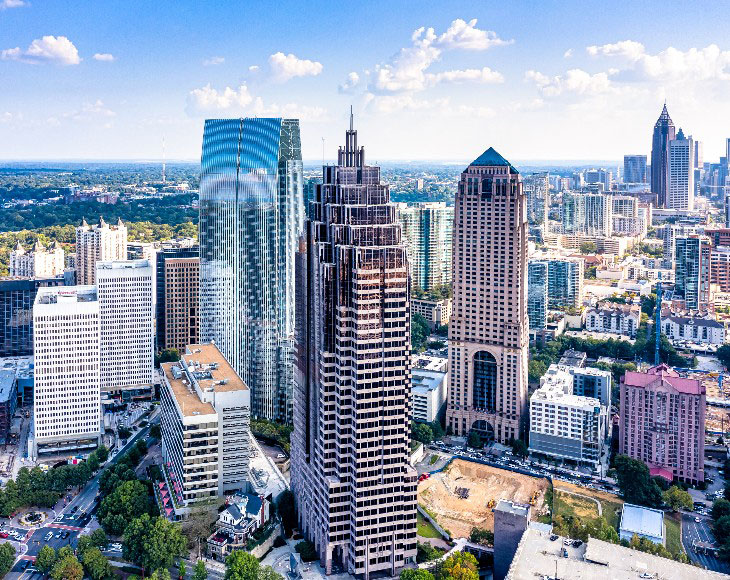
x,y
112,82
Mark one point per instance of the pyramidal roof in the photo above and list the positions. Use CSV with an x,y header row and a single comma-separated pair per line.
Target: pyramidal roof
x,y
490,158
664,117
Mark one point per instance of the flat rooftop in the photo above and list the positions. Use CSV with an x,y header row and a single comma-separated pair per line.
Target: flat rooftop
x,y
185,394
66,294
516,509
537,556
641,520
423,380
7,380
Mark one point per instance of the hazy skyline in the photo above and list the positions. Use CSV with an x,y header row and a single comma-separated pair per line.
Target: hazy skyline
x,y
106,80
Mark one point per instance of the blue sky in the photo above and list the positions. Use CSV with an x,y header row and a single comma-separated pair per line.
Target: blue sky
x,y
99,79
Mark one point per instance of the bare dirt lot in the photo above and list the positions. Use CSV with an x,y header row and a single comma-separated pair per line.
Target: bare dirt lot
x,y
440,495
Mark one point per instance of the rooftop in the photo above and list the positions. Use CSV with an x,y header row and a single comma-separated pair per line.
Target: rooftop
x,y
490,158
65,294
640,520
663,375
424,380
7,380
516,509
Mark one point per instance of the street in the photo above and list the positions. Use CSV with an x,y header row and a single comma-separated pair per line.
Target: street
x,y
693,532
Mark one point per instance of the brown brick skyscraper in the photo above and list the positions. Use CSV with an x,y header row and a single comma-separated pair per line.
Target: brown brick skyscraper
x,y
488,333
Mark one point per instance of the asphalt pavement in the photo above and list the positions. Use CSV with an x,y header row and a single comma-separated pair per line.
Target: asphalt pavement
x,y
692,532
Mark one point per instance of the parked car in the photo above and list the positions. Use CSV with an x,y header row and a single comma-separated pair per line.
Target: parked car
x,y
49,535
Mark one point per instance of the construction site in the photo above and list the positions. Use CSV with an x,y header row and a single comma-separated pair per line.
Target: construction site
x,y
462,496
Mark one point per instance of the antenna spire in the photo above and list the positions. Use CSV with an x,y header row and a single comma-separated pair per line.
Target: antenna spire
x,y
351,119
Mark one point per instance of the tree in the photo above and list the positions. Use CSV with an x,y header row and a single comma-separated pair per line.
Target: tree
x,y
426,552
155,431
124,433
287,508
588,248
167,355
99,539
268,573
437,430
161,574
306,550
129,500
720,508
198,526
7,557
67,568
723,354
676,498
97,566
153,543
635,483
46,559
200,572
535,370
102,453
241,565
417,574
474,441
84,543
181,569
421,432
420,330
519,448
460,566
480,536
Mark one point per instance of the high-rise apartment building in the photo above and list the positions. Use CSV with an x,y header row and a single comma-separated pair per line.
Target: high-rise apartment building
x,y
559,280
664,132
662,423
598,176
354,486
537,293
427,228
634,168
126,312
67,394
251,215
205,420
692,271
488,333
39,262
182,299
587,213
681,188
98,243
537,192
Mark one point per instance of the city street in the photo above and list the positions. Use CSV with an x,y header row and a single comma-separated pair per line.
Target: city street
x,y
700,532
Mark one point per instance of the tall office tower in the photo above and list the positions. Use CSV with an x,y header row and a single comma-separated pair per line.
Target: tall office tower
x,y
587,213
602,176
186,248
16,313
355,488
634,168
699,162
692,271
126,311
662,423
727,210
251,215
537,191
182,299
40,262
488,334
427,229
537,293
309,189
67,396
681,189
98,243
664,132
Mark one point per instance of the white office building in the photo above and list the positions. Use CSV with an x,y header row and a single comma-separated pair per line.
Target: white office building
x,y
428,392
97,243
66,398
681,186
126,310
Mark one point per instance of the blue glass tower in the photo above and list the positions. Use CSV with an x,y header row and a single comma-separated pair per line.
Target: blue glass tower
x,y
251,216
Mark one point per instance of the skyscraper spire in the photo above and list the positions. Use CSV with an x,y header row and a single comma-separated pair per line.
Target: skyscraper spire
x,y
352,120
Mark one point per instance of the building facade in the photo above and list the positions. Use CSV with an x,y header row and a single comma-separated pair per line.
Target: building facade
x,y
587,213
720,267
354,486
537,293
67,390
634,168
692,271
40,262
537,192
98,243
126,312
662,423
427,228
182,299
251,213
664,132
436,312
681,186
696,329
614,318
428,393
488,333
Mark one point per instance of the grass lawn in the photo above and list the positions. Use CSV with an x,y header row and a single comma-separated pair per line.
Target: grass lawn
x,y
612,511
673,523
434,459
425,529
565,504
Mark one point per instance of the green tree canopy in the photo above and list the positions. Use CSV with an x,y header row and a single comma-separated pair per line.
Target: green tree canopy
x,y
7,557
200,572
129,500
67,568
677,498
287,509
153,543
416,574
46,559
241,565
96,565
635,483
459,566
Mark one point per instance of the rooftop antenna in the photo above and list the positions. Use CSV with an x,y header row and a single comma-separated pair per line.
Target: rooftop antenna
x,y
351,119
163,159
322,151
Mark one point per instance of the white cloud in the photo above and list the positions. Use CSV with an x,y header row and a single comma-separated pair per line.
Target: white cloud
x,y
4,4
462,35
568,53
484,75
287,66
210,99
353,80
625,48
214,61
253,68
575,81
97,108
104,57
49,49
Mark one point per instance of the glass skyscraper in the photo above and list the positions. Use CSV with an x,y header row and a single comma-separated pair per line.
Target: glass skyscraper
x,y
251,216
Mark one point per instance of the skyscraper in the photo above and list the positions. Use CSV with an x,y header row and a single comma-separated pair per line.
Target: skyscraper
x,y
587,213
692,271
664,132
681,189
488,334
355,488
537,191
251,214
427,228
98,243
182,298
634,168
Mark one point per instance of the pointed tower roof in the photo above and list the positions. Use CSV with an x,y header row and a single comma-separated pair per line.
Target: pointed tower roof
x,y
120,222
38,247
664,118
490,158
102,223
53,246
19,247
84,223
680,135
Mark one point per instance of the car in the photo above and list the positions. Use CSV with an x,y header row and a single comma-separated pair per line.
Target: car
x,y
280,456
58,535
74,509
697,520
646,575
3,535
24,564
553,537
65,535
49,535
577,543
567,542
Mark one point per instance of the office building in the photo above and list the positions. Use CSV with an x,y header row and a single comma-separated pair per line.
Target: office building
x,y
126,314
692,271
98,243
186,248
182,299
488,333
669,234
591,382
643,522
681,187
251,214
720,267
427,228
67,391
428,393
436,312
587,213
598,176
39,262
565,425
205,420
8,402
510,522
354,486
553,284
17,297
634,168
662,423
664,132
